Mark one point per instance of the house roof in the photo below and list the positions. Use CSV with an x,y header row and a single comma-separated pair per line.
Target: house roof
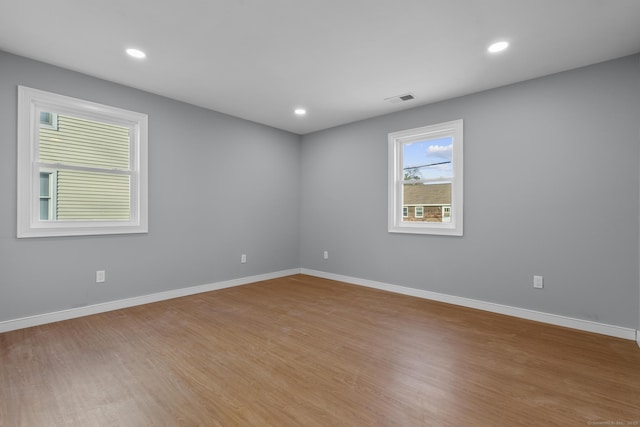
x,y
427,194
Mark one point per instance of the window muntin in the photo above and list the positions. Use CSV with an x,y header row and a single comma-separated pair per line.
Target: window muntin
x,y
82,167
425,179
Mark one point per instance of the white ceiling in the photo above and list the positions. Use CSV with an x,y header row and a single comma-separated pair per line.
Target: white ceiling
x,y
259,59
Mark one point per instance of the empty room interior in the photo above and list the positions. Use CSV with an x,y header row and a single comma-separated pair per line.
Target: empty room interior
x,y
320,213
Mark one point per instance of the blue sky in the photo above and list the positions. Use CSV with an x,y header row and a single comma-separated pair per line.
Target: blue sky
x,y
429,152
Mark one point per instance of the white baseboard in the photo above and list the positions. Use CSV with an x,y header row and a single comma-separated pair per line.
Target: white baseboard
x,y
41,319
569,322
553,319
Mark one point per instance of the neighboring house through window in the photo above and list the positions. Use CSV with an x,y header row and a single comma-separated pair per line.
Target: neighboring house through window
x,y
427,202
47,193
48,120
82,167
446,214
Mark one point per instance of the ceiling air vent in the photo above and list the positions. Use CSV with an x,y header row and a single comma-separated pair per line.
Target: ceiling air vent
x,y
400,98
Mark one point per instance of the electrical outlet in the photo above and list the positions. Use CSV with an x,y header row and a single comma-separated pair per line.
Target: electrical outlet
x,y
538,282
243,258
101,276
325,255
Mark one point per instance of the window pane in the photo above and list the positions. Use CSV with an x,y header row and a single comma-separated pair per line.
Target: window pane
x,y
433,197
44,209
45,118
92,196
430,159
81,142
44,184
427,160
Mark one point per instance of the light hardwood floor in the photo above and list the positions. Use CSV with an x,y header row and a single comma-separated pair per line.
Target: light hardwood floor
x,y
304,351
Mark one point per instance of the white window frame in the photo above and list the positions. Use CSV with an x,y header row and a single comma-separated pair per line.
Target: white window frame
x,y
30,103
396,180
421,215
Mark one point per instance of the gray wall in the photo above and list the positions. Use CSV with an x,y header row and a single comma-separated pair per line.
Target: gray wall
x,y
551,188
218,187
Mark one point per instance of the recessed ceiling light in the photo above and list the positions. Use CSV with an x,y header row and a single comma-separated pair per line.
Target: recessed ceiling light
x,y
136,53
498,46
300,112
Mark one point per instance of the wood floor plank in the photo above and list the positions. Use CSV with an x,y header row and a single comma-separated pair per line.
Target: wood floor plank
x,y
304,351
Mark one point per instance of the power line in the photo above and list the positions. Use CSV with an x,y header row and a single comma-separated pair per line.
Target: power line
x,y
424,166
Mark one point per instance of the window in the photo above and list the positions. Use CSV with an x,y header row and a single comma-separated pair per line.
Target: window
x,y
47,192
446,214
82,167
426,173
48,120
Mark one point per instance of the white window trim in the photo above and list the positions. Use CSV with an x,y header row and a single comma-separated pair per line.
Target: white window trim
x,y
30,103
396,180
416,211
